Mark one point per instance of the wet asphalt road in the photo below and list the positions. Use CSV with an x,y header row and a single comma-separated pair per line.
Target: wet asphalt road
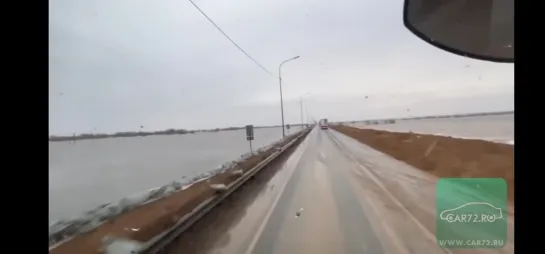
x,y
331,195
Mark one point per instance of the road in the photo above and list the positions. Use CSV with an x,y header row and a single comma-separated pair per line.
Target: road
x,y
331,195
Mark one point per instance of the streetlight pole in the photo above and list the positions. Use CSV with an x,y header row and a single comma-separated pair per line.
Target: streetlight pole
x,y
301,105
301,112
281,99
305,117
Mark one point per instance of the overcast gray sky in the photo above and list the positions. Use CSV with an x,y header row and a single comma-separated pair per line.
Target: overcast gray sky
x,y
118,64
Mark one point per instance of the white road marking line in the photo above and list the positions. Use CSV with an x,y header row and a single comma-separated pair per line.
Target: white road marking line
x,y
426,232
275,202
400,246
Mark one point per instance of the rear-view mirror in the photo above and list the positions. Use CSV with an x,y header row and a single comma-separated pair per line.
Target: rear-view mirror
x,y
479,29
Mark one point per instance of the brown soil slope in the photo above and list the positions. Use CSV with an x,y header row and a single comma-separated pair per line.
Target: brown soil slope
x,y
442,156
155,217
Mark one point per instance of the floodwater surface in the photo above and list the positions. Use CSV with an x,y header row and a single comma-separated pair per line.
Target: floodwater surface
x,y
497,128
88,173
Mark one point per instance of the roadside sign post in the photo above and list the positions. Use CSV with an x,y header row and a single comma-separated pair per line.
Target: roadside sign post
x,y
250,135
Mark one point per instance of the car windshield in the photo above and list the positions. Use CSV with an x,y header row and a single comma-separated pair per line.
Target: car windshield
x,y
160,109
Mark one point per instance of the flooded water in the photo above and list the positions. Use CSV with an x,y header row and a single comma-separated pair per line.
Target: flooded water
x,y
497,128
88,173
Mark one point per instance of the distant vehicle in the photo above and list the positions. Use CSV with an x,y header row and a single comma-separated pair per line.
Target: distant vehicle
x,y
323,124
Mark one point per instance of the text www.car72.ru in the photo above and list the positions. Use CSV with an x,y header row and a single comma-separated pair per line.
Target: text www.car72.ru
x,y
473,243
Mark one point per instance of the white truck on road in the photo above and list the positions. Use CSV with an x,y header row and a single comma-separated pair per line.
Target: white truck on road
x,y
323,124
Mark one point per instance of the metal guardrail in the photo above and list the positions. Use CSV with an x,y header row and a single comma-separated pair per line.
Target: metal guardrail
x,y
158,243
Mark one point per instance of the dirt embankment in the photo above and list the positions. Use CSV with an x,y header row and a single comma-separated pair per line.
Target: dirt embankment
x,y
442,156
145,222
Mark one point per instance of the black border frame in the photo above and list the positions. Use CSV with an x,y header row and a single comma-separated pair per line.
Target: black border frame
x,y
25,123
445,48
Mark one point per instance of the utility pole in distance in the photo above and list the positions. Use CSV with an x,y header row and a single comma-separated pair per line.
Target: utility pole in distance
x,y
301,112
281,99
301,105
